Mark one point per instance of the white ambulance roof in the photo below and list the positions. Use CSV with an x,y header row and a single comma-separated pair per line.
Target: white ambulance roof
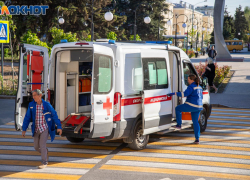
x,y
121,44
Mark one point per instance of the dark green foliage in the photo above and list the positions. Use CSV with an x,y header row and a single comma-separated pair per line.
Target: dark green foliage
x,y
228,26
240,24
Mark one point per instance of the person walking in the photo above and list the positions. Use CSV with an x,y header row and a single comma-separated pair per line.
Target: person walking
x,y
193,104
43,118
212,53
210,74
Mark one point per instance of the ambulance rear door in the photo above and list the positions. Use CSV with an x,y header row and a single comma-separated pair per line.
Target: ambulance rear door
x,y
156,106
102,92
33,74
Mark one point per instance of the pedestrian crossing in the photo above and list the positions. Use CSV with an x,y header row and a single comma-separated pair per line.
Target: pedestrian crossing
x,y
224,153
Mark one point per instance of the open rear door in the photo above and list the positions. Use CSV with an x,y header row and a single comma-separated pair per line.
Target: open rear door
x,y
157,106
102,92
33,74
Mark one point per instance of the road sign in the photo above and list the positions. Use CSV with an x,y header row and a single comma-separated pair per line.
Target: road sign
x,y
4,32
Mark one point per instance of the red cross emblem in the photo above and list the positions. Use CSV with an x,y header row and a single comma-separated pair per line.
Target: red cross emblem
x,y
107,105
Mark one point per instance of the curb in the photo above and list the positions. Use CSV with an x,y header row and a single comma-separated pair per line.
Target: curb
x,y
7,97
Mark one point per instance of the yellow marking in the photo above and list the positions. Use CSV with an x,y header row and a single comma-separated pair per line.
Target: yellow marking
x,y
228,124
203,139
57,154
235,120
10,124
228,129
175,171
226,134
10,129
237,112
230,115
38,175
199,146
75,146
182,161
51,164
26,136
194,153
230,109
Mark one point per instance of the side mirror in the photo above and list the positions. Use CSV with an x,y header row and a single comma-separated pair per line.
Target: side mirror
x,y
204,83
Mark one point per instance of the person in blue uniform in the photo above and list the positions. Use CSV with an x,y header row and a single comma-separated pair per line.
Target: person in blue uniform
x,y
193,104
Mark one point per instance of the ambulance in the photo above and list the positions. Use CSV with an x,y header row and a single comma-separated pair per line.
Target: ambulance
x,y
109,90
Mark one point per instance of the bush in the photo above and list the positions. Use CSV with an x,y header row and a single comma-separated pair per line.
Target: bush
x,y
131,38
112,35
191,53
220,72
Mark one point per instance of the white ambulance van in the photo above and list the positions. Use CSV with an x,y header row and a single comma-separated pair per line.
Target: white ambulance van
x,y
108,90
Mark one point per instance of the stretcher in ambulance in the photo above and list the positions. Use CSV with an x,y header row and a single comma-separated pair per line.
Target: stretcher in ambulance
x,y
109,90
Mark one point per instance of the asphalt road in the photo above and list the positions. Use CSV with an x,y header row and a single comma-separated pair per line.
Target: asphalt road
x,y
7,108
224,153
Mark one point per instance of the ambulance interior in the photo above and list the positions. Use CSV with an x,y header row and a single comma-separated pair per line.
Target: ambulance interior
x,y
73,82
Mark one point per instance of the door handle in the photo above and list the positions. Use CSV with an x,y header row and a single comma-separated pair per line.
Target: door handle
x,y
100,102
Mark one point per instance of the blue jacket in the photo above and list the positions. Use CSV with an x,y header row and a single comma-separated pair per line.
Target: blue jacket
x,y
50,117
194,96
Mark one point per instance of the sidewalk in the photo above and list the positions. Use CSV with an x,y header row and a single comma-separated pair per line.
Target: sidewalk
x,y
237,92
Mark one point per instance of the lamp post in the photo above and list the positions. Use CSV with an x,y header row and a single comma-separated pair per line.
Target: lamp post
x,y
147,19
204,29
60,18
163,10
108,17
184,25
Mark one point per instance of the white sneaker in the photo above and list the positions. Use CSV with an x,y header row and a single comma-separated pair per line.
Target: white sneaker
x,y
42,166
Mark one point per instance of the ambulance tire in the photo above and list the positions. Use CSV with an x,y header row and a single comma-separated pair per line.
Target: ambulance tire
x,y
203,120
75,140
140,141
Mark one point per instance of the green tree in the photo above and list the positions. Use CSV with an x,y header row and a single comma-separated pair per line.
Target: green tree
x,y
31,38
59,34
228,26
112,35
145,31
240,23
137,38
247,15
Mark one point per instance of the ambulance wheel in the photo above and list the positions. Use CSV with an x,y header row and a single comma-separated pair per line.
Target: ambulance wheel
x,y
140,141
203,120
74,140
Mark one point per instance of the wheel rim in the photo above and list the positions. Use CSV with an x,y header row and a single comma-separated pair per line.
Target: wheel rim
x,y
203,119
140,138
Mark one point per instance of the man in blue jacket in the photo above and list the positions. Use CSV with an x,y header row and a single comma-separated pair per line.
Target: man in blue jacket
x,y
43,118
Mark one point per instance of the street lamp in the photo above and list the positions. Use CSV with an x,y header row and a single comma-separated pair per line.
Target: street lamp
x,y
183,25
168,23
60,18
108,17
147,19
204,29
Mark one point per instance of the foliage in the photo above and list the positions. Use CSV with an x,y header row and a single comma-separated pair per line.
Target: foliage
x,y
31,38
207,38
112,35
247,16
131,38
198,49
88,38
191,53
184,49
192,34
59,34
220,72
146,31
8,90
240,24
228,26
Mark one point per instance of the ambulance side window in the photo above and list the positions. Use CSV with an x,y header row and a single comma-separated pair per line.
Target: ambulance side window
x,y
187,70
155,73
102,74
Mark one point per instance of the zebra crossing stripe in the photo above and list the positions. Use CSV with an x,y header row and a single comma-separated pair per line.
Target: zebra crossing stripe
x,y
60,146
51,164
228,129
199,146
224,119
182,161
38,175
195,153
57,154
173,171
